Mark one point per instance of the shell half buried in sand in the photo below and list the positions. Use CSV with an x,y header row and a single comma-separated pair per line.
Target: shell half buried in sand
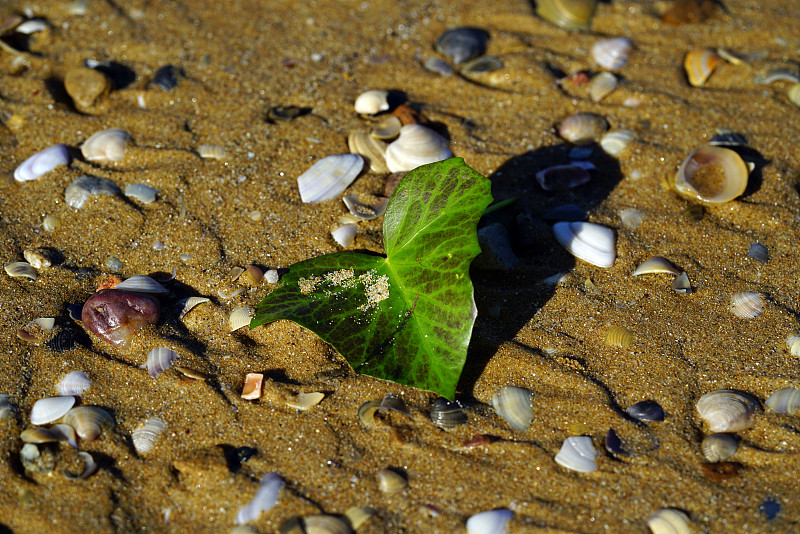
x,y
577,454
727,410
587,241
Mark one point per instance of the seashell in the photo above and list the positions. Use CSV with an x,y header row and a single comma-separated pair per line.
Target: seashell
x,y
190,373
682,284
73,384
50,223
21,269
146,435
186,305
115,315
564,177
513,404
160,359
613,443
34,331
490,522
212,152
66,339
7,410
285,113
647,411
106,146
447,415
793,345
90,467
369,147
54,434
462,44
619,336
719,447
142,284
614,142
88,421
38,258
252,274
32,26
358,515
759,252
727,137
602,85
42,162
227,295
727,410
567,14
141,192
50,409
582,128
567,212
36,461
388,128
699,64
252,386
390,481
589,242
669,521
631,218
79,191
305,401
166,77
439,66
657,265
329,177
345,234
746,304
265,498
482,64
235,273
365,212
786,400
577,454
240,317
417,145
390,402
778,75
325,524
372,102
611,54
794,94
712,174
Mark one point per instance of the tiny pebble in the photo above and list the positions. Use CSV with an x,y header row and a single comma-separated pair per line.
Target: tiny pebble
x,y
271,276
114,264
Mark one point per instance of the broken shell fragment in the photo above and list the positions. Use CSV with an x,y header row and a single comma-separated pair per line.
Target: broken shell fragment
x,y
489,522
252,386
88,421
73,384
90,467
39,258
305,401
699,64
265,498
682,284
582,128
50,409
115,315
365,212
746,304
388,128
240,317
372,102
142,284
657,265
212,152
390,402
21,269
146,435
79,191
631,218
719,447
390,481
513,404
587,241
669,521
329,177
620,337
186,305
727,410
54,434
345,234
577,454
712,174
786,400
567,14
611,54
369,147
42,162
160,359
447,415
417,145
106,146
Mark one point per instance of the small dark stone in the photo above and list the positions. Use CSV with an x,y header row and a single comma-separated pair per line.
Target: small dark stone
x,y
567,212
285,113
114,314
647,411
166,77
462,44
759,252
770,508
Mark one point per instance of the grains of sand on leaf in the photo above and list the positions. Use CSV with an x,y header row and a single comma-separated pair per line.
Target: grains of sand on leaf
x,y
376,287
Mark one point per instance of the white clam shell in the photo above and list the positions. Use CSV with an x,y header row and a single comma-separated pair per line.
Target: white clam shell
x,y
146,435
589,242
727,410
712,174
602,85
786,400
160,359
50,409
719,447
42,162
73,384
577,454
240,317
657,264
266,497
614,142
390,481
371,102
669,521
142,284
186,305
513,404
329,177
345,234
21,269
79,191
612,53
417,145
141,192
106,146
88,421
747,304
490,522
793,344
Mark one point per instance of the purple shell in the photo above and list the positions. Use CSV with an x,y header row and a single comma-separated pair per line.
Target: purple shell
x,y
114,315
42,162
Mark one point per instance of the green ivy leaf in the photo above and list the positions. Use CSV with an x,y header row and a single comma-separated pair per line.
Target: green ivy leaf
x,y
406,317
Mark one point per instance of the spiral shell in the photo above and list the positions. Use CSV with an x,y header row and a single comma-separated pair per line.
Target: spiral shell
x,y
786,400
699,64
106,146
513,404
712,174
719,447
567,14
747,304
160,359
417,145
577,454
727,410
669,521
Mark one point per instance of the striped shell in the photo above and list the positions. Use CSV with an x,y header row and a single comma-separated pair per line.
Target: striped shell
x,y
712,174
55,433
88,421
240,317
620,337
73,384
699,64
587,241
370,148
417,145
786,400
657,265
669,521
727,410
146,435
106,146
21,269
186,305
513,404
142,284
329,177
577,454
50,409
567,14
719,447
160,359
746,304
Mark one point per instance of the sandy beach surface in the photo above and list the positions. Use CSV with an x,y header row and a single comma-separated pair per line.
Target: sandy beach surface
x,y
541,325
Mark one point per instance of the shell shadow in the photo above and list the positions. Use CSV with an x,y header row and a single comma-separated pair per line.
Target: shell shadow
x,y
507,300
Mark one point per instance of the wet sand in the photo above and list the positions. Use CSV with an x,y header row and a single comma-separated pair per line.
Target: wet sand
x,y
546,337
